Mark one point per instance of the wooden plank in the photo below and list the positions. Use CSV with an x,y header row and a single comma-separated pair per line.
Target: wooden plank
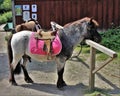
x,y
116,12
79,9
89,9
59,12
119,13
74,10
100,12
84,6
105,14
101,48
110,13
103,65
92,67
39,14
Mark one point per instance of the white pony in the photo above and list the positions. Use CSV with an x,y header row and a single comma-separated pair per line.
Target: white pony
x,y
72,34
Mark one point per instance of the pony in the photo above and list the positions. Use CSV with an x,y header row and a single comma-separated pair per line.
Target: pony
x,y
31,25
71,35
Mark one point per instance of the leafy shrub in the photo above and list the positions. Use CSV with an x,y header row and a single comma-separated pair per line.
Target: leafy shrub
x,y
3,19
111,38
6,17
5,5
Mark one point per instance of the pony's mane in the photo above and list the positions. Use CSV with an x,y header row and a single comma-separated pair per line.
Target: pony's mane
x,y
85,19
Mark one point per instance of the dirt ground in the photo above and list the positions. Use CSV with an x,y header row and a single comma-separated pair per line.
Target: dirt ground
x,y
44,75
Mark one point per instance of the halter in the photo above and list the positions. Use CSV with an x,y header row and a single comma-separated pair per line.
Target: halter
x,y
37,26
91,31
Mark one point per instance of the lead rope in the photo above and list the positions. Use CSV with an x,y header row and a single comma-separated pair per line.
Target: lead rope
x,y
78,52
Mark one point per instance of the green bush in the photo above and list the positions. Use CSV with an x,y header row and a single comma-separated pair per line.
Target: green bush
x,y
6,5
111,38
6,17
5,11
3,19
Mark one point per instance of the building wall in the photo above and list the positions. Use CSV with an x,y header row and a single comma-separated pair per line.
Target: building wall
x,y
105,12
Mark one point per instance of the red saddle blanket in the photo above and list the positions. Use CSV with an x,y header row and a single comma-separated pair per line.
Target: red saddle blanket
x,y
37,48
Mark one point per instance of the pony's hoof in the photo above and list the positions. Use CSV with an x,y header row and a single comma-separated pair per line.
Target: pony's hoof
x,y
60,86
14,84
29,80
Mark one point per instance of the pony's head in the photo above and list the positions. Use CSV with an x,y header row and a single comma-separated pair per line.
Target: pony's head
x,y
88,28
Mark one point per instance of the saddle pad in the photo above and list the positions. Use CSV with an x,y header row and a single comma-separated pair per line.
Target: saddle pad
x,y
36,47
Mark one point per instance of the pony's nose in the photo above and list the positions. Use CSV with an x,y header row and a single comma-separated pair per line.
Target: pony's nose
x,y
98,39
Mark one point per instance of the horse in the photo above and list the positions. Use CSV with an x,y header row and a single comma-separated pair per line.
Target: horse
x,y
71,35
32,25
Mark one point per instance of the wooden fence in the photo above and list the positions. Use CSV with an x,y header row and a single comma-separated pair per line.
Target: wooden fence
x,y
93,69
106,12
93,47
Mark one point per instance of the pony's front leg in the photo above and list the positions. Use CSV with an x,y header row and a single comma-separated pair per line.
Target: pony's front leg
x,y
60,70
26,76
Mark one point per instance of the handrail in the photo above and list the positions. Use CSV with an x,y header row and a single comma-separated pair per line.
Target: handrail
x,y
93,69
101,48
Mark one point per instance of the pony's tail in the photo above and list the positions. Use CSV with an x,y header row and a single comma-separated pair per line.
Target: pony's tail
x,y
10,56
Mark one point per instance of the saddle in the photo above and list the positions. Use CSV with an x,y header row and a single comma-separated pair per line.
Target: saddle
x,y
47,37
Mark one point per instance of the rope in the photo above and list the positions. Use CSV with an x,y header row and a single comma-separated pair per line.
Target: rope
x,y
78,52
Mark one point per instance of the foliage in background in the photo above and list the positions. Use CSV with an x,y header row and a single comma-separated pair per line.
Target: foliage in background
x,y
111,39
5,6
6,17
5,11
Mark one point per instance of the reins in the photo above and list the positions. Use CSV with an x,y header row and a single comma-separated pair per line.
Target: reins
x,y
78,52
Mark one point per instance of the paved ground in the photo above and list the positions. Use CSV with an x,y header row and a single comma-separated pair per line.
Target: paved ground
x,y
44,75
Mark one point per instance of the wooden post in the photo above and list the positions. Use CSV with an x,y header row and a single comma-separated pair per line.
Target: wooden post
x,y
13,13
92,67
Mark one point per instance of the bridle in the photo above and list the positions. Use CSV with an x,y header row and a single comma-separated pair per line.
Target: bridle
x,y
91,33
79,51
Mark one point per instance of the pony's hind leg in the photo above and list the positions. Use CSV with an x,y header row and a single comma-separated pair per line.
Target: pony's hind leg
x,y
14,70
12,78
60,70
26,76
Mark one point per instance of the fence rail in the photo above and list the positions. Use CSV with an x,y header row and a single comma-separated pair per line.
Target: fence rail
x,y
93,47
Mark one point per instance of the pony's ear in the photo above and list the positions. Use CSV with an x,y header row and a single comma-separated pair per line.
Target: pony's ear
x,y
93,22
